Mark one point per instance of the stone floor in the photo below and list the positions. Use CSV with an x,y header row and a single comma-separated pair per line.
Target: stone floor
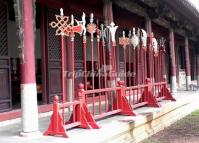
x,y
110,127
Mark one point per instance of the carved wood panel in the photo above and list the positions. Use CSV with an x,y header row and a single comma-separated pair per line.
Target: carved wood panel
x,y
5,84
53,52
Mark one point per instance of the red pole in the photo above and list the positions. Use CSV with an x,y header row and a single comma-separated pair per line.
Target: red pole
x,y
104,63
85,65
73,67
124,48
63,75
103,55
99,58
124,42
114,59
134,67
129,56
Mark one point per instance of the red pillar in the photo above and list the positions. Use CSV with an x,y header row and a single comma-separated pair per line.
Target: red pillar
x,y
149,49
28,81
173,61
148,25
108,11
108,16
188,66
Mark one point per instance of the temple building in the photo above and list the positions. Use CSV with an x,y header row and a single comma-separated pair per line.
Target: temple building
x,y
31,54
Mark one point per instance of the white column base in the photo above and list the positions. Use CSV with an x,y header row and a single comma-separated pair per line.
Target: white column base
x,y
188,82
69,92
31,134
29,108
69,89
198,80
173,85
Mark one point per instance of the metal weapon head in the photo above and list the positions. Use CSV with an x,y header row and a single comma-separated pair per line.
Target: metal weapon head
x,y
138,33
83,18
112,24
102,32
91,18
133,30
72,20
84,23
162,41
143,37
102,27
61,12
129,33
143,33
123,34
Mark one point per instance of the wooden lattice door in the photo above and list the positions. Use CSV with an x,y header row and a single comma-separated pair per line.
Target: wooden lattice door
x,y
53,56
5,78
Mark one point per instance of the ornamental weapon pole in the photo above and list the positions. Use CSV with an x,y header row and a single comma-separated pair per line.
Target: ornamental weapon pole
x,y
63,28
84,49
112,28
60,25
91,28
98,56
144,41
123,41
134,42
103,36
129,56
99,64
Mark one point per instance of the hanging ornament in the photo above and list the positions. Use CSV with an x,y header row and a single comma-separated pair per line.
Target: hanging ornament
x,y
134,39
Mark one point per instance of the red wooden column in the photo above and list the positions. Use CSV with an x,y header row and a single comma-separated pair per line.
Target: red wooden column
x,y
188,66
148,25
173,61
28,81
108,16
149,48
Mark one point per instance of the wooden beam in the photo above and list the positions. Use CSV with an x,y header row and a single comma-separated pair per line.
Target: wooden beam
x,y
131,7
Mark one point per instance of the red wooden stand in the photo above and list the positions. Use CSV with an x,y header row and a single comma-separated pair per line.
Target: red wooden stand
x,y
148,96
126,108
56,126
80,117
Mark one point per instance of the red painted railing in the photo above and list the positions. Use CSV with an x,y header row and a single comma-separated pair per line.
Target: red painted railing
x,y
105,102
100,103
148,94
